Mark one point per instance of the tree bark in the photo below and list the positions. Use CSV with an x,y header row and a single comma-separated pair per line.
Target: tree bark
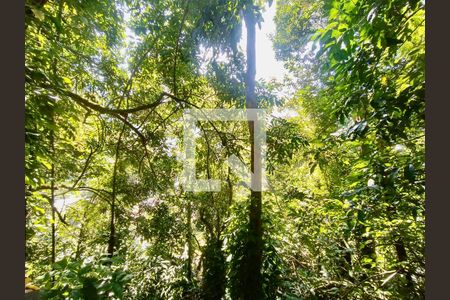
x,y
80,237
253,276
52,199
189,241
52,145
402,257
112,227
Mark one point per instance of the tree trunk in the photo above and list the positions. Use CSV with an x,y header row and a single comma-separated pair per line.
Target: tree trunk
x,y
112,227
80,237
52,199
52,145
253,277
189,241
402,257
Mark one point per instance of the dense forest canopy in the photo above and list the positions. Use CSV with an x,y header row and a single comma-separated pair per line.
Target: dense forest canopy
x,y
107,217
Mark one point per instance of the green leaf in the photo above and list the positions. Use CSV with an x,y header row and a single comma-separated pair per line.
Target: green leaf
x,y
38,14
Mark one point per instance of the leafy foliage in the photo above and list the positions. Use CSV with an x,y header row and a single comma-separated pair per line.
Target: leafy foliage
x,y
106,215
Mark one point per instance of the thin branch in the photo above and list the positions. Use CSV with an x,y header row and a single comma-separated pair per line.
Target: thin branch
x,y
91,153
60,217
101,109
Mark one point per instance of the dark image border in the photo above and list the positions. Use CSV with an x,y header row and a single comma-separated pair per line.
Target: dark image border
x,y
12,212
437,150
437,205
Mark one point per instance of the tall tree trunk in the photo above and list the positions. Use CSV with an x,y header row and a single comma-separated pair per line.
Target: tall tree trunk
x,y
52,194
52,199
189,241
112,226
52,146
253,276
